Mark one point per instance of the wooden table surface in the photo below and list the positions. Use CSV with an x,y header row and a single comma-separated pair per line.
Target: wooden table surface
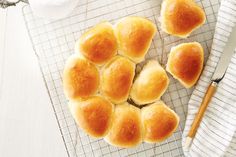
x,y
28,126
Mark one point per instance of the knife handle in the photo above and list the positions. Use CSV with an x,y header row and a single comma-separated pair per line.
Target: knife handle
x,y
207,98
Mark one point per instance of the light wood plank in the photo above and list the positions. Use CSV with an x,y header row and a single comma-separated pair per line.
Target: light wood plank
x,y
27,124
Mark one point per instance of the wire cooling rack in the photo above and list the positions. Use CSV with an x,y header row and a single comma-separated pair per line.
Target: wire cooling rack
x,y
53,42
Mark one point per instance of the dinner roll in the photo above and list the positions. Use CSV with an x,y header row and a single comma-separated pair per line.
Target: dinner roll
x,y
126,130
80,78
134,35
159,122
185,63
181,17
150,85
98,44
116,79
93,115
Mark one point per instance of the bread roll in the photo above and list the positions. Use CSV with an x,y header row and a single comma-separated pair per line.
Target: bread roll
x,y
93,115
116,79
181,17
159,122
126,127
80,78
98,44
185,63
134,35
150,85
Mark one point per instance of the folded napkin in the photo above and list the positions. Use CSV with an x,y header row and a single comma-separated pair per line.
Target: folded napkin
x,y
216,135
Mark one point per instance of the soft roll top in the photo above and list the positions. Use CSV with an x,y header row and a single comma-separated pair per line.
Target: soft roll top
x,y
126,130
98,44
159,122
134,35
185,63
99,83
80,78
93,115
116,80
150,85
181,17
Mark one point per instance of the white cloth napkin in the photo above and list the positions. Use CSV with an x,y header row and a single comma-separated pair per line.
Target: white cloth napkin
x,y
216,135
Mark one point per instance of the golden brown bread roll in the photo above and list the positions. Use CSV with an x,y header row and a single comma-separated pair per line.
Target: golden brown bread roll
x,y
116,79
150,85
134,35
98,44
124,125
80,78
126,130
181,17
185,63
159,122
93,115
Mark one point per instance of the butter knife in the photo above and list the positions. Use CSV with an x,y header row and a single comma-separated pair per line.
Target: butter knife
x,y
216,78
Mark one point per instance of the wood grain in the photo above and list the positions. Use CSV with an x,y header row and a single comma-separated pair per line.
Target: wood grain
x,y
28,126
207,98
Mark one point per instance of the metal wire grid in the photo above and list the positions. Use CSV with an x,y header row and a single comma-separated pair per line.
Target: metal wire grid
x,y
53,42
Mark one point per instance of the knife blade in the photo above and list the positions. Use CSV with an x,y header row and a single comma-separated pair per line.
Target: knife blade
x,y
216,78
225,57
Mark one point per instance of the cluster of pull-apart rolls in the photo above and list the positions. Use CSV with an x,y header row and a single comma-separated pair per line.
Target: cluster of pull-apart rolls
x,y
100,78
